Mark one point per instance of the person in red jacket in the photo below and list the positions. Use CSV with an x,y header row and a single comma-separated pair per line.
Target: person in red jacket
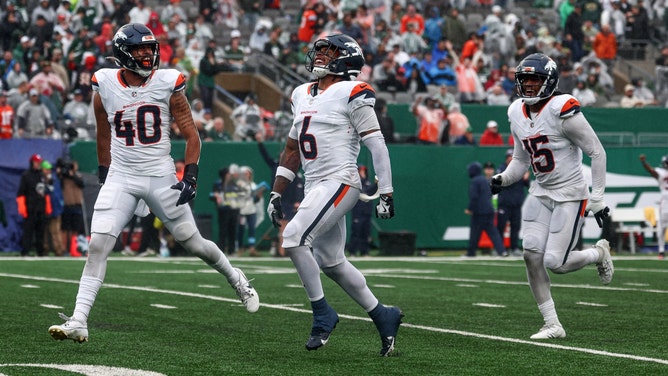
x,y
491,135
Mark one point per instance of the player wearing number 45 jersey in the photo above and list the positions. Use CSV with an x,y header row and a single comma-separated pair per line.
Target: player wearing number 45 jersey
x,y
550,135
133,106
331,116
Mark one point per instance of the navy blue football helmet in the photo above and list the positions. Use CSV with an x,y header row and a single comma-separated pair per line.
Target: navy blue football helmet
x,y
542,66
129,37
349,60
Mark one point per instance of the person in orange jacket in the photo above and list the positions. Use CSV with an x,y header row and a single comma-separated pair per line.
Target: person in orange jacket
x,y
34,206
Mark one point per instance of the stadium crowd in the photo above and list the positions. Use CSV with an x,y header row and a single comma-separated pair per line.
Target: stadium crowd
x,y
50,48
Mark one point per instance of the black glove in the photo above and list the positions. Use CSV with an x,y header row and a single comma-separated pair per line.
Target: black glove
x,y
274,209
187,185
599,209
102,172
385,207
495,184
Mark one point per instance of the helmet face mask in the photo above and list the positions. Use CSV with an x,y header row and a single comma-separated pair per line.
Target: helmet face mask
x,y
127,41
536,78
337,55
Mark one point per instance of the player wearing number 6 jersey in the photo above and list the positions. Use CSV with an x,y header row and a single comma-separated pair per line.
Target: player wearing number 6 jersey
x,y
133,107
550,135
331,116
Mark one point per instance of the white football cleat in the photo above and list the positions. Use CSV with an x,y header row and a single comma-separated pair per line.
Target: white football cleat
x,y
71,329
246,292
605,267
550,331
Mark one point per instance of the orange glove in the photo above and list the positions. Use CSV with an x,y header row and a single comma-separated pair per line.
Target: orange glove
x,y
21,204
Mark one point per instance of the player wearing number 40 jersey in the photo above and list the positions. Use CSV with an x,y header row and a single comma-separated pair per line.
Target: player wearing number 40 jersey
x,y
133,107
550,135
331,116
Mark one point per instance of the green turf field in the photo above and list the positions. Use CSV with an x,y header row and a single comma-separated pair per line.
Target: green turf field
x,y
176,316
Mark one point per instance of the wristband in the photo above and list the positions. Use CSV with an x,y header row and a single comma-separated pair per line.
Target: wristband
x,y
285,172
190,173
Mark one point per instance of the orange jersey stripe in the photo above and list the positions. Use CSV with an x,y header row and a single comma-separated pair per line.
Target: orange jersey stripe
x,y
341,195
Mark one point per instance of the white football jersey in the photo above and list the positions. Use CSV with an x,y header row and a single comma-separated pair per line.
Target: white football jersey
x,y
140,120
328,140
662,178
555,160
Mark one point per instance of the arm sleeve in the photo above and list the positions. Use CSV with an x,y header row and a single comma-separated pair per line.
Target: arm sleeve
x,y
375,142
580,132
364,119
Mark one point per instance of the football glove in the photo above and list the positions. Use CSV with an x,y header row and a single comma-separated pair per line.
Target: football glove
x,y
274,209
495,184
187,185
102,172
599,209
385,207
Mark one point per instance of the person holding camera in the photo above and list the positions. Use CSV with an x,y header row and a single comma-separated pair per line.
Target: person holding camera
x,y
72,219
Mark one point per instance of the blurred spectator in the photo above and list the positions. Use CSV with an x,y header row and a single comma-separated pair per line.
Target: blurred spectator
x,y
33,205
642,91
616,18
235,52
6,117
412,42
605,46
412,16
140,13
455,29
206,9
385,76
638,27
433,26
45,11
59,69
472,45
156,26
459,123
224,194
81,78
11,28
365,21
76,110
174,7
350,28
509,206
71,180
446,98
469,86
585,95
414,77
247,119
386,122
274,47
208,68
491,135
442,74
41,32
260,35
218,132
18,95
16,76
662,59
495,96
227,14
250,11
248,193
573,34
590,32
185,65
53,241
313,19
430,118
630,100
34,118
120,13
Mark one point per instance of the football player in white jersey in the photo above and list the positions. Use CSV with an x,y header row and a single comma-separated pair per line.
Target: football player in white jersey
x,y
661,175
550,134
133,106
331,116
